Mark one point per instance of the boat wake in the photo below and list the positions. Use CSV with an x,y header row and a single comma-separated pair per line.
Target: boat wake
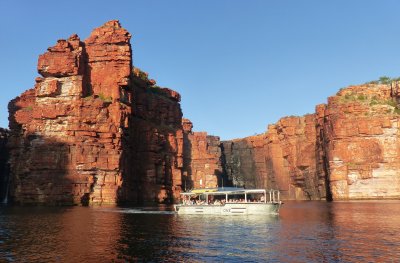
x,y
150,210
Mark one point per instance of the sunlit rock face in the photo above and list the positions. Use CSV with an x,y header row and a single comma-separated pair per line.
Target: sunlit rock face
x,y
359,133
202,159
109,59
283,158
93,130
348,149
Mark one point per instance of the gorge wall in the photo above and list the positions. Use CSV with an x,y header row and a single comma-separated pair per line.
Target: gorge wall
x,y
96,130
358,131
349,149
202,159
283,158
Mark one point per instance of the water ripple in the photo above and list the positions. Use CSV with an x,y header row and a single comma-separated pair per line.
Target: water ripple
x,y
304,232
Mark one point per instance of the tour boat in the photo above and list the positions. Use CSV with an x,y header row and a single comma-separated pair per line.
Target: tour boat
x,y
229,201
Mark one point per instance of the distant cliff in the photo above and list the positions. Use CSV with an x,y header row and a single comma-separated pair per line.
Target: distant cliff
x,y
283,158
202,159
348,149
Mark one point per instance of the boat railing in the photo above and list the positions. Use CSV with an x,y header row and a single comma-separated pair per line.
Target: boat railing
x,y
274,196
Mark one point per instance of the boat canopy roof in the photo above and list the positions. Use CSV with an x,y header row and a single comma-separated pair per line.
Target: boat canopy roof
x,y
223,190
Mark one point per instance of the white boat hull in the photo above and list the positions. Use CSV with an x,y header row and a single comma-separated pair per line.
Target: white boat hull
x,y
230,209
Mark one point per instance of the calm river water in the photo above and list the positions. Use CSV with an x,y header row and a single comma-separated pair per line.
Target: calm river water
x,y
303,232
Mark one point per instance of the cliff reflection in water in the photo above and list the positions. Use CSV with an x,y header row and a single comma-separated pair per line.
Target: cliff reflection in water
x,y
304,232
340,231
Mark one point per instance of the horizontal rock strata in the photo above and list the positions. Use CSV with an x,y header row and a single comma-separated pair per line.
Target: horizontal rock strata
x,y
202,159
283,158
359,132
93,129
348,149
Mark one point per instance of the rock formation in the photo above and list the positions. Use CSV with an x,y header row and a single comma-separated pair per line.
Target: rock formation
x,y
152,146
283,158
348,149
93,130
202,159
358,134
96,130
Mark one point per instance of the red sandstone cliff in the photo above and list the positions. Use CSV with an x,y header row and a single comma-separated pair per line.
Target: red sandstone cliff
x,y
202,159
283,158
93,130
349,149
359,132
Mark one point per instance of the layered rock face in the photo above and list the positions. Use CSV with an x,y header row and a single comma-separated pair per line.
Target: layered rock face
x,y
283,158
153,144
359,132
92,130
202,159
3,164
348,149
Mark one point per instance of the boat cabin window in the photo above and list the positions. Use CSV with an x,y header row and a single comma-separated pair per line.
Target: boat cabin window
x,y
236,198
223,197
217,199
255,197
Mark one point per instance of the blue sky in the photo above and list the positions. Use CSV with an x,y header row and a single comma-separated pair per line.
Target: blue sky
x,y
239,65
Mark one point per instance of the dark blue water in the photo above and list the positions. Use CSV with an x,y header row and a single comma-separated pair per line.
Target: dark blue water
x,y
304,232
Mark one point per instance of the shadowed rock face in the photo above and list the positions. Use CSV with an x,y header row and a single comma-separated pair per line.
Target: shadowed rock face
x,y
283,158
93,130
3,163
152,147
202,159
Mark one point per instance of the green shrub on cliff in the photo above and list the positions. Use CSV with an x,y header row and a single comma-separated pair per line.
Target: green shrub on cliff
x,y
373,102
155,90
349,97
29,108
372,82
105,98
137,72
391,103
385,80
143,75
362,97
